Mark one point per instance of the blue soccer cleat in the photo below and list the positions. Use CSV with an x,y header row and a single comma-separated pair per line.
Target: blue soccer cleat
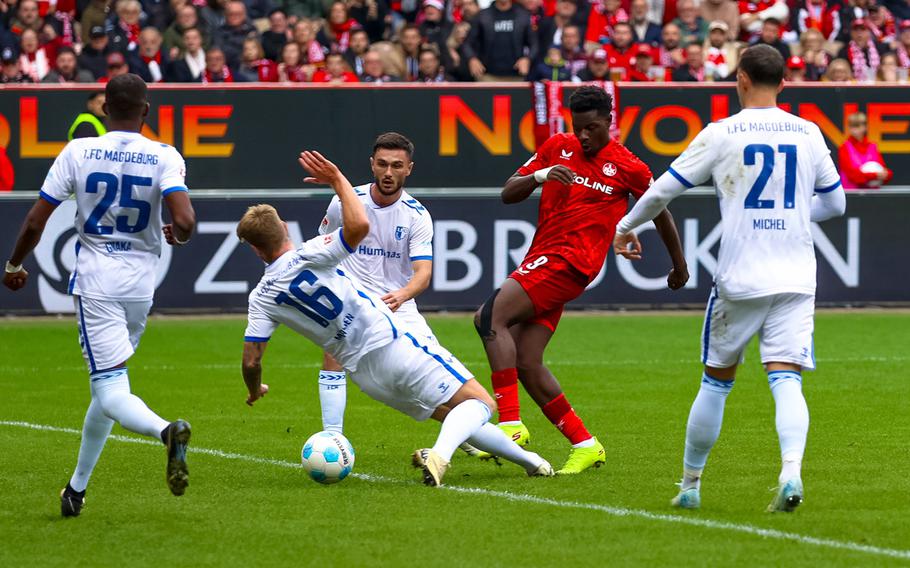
x,y
687,499
789,496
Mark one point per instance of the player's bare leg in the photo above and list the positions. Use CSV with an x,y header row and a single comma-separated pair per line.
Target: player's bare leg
x,y
792,422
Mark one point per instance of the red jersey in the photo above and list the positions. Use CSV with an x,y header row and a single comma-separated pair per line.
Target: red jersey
x,y
577,223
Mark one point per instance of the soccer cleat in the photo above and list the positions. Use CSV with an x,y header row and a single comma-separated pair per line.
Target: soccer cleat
x,y
518,432
176,438
471,450
789,496
433,466
543,470
581,459
687,499
71,501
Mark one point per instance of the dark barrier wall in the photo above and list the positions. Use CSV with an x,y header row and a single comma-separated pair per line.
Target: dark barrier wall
x,y
466,136
862,257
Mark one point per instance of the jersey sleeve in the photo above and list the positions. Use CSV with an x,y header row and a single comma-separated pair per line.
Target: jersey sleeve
x,y
327,250
259,326
827,178
332,220
539,160
420,245
60,182
173,174
693,166
640,180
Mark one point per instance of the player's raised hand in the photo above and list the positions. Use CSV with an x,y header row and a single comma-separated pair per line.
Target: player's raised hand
x,y
628,245
254,396
15,280
395,298
677,278
562,174
321,170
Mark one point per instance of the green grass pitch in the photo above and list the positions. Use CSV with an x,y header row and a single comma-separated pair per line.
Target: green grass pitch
x,y
630,377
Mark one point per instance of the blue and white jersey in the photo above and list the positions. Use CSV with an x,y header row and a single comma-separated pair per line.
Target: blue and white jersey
x,y
400,233
766,164
305,290
119,180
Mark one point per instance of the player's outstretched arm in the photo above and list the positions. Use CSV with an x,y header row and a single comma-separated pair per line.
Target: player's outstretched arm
x,y
420,281
183,218
828,205
15,277
354,222
252,370
666,228
519,187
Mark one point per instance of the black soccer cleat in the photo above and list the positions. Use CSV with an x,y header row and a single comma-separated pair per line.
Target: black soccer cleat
x,y
71,501
176,437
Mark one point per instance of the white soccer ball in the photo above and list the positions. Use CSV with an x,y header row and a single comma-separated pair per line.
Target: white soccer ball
x,y
872,168
328,457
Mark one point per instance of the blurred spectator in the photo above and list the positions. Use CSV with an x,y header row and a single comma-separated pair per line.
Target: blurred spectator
x,y
820,15
12,73
124,36
603,16
335,35
409,50
186,18
502,43
336,71
94,14
27,18
189,67
231,34
861,164
644,30
373,71
311,51
770,35
753,12
900,8
278,34
257,9
434,28
465,10
455,57
306,9
641,71
359,45
216,68
726,11
694,28
620,52
813,53
694,69
902,45
670,54
839,71
550,29
254,67
862,52
372,15
552,68
720,53
155,61
853,10
90,124
598,69
431,70
888,71
882,24
116,65
35,59
291,66
572,51
796,70
66,69
94,54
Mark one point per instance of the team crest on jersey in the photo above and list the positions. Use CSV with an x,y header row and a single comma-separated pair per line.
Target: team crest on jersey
x,y
327,239
401,233
609,169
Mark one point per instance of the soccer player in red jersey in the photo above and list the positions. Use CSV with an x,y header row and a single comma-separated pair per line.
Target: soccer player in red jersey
x,y
587,180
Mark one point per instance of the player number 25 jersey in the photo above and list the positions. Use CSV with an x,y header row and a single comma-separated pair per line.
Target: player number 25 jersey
x,y
119,180
766,164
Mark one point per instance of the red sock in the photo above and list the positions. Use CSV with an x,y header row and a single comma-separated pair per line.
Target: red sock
x,y
505,387
561,414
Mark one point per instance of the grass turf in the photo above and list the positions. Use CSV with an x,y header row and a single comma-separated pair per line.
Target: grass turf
x,y
632,378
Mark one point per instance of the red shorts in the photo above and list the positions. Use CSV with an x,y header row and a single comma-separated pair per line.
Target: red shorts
x,y
551,282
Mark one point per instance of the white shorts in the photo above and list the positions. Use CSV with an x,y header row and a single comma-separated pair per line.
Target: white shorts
x,y
109,330
784,324
411,375
414,322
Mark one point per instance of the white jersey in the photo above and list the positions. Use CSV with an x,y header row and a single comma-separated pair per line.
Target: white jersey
x,y
766,164
400,233
305,290
119,180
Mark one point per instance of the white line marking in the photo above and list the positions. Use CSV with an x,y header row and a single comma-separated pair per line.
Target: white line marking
x,y
525,498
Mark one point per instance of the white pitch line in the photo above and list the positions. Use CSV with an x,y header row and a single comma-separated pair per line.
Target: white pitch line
x,y
533,499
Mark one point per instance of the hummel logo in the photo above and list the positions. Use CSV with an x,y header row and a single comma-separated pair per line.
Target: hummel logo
x,y
565,155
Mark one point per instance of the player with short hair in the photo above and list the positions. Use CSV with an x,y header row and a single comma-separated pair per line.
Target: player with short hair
x,y
774,176
394,261
119,181
587,180
305,290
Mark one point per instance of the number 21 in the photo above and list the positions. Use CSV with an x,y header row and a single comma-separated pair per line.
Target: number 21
x,y
753,200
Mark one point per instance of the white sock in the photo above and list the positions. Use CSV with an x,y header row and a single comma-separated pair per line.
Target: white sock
x,y
462,422
332,398
112,391
703,428
494,441
792,420
95,431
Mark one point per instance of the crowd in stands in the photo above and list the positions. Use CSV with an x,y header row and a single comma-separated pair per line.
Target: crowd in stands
x,y
382,41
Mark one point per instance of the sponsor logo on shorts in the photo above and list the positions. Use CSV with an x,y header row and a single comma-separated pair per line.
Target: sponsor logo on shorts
x,y
443,387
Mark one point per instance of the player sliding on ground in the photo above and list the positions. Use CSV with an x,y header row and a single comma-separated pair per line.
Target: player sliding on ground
x,y
305,290
119,180
587,180
774,176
